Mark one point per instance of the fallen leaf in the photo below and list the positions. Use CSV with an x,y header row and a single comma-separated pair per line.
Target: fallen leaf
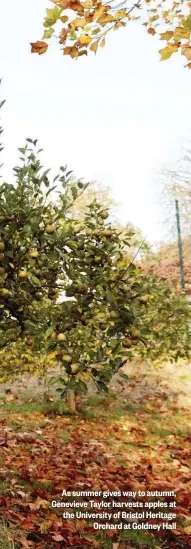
x,y
26,544
58,537
187,530
38,504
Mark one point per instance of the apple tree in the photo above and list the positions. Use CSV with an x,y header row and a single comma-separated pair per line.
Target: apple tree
x,y
68,288
32,234
111,311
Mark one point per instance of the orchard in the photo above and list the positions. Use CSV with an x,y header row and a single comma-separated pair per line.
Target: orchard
x,y
69,290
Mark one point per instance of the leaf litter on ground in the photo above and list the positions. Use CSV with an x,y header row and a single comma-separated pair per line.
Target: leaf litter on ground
x,y
137,449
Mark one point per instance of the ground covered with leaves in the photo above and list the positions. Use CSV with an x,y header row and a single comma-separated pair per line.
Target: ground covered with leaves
x,y
130,446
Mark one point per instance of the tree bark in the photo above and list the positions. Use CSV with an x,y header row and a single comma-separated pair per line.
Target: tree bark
x,y
72,401
79,403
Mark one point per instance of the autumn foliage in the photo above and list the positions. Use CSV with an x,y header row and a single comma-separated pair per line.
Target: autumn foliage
x,y
83,25
165,264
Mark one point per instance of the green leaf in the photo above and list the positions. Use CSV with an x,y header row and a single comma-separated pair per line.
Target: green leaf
x,y
64,393
81,387
48,33
52,346
52,16
124,376
34,279
54,380
102,386
2,103
49,332
22,150
51,190
74,193
73,35
82,52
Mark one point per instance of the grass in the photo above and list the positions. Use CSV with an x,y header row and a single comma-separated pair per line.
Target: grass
x,y
51,408
65,436
138,540
4,487
5,538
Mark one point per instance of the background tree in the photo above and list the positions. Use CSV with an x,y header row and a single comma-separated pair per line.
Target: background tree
x,y
175,183
165,264
138,246
85,24
95,191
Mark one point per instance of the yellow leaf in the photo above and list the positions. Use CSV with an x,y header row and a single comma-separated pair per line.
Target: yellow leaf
x,y
78,22
64,18
39,47
52,354
119,24
62,3
85,39
74,52
106,18
181,34
102,43
89,18
83,376
166,35
168,51
170,16
154,18
99,12
186,50
86,4
94,47
120,13
67,50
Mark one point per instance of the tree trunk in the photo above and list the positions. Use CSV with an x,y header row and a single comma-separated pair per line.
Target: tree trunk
x,y
72,401
79,403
